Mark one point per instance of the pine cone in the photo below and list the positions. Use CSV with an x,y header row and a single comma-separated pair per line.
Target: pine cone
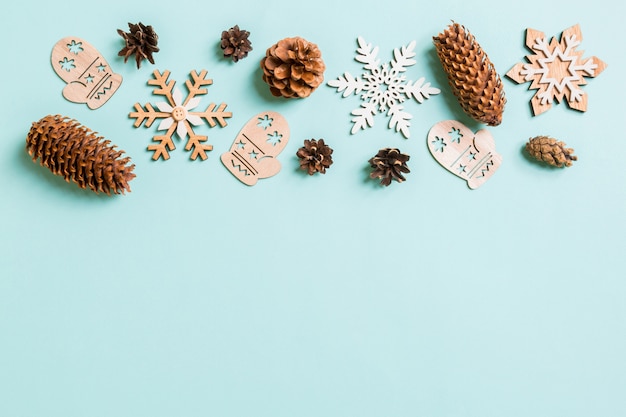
x,y
235,43
550,151
75,152
389,164
315,156
293,68
472,77
141,41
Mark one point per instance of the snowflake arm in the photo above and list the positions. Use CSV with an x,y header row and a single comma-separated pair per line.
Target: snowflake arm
x,y
164,88
147,115
194,88
364,117
420,91
196,143
399,119
367,55
164,144
348,84
403,57
211,115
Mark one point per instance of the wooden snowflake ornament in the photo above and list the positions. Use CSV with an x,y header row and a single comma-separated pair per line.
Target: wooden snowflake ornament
x,y
468,155
383,87
178,115
556,70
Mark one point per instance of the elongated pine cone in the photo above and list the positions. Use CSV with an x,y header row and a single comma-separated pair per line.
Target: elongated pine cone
x,y
550,151
472,77
293,68
141,41
315,156
235,43
76,153
389,164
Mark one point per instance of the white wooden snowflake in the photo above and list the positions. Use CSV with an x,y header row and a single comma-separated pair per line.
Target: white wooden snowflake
x,y
383,88
556,70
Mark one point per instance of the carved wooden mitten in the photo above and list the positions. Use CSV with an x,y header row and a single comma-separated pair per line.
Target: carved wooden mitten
x,y
254,151
87,74
468,155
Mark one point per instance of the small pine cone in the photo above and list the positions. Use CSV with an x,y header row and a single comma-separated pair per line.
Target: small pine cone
x,y
472,77
315,156
75,152
140,41
235,43
293,68
550,151
389,164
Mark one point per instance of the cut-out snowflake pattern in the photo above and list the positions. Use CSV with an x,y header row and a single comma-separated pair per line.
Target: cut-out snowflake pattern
x,y
178,115
556,70
67,64
383,87
75,47
274,138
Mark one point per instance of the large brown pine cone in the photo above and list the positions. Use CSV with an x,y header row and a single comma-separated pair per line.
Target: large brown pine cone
x,y
76,153
315,156
235,43
550,151
389,164
141,41
472,77
293,68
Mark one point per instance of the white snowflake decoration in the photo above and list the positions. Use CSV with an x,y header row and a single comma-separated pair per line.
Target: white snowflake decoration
x,y
383,87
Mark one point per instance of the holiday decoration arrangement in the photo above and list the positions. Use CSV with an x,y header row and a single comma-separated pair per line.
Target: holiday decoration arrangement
x,y
293,68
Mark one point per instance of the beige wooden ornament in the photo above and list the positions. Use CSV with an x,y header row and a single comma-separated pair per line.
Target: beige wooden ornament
x,y
254,150
556,70
468,155
178,114
88,76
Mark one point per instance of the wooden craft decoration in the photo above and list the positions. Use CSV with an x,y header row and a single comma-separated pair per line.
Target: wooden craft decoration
x,y
177,115
383,87
470,156
556,70
253,153
88,76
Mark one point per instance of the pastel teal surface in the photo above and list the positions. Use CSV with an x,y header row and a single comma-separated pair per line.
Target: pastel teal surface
x,y
195,295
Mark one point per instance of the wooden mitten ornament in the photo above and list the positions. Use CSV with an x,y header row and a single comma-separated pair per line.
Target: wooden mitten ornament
x,y
468,155
254,151
87,74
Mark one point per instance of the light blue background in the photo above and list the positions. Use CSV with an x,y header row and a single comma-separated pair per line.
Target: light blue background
x,y
195,295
